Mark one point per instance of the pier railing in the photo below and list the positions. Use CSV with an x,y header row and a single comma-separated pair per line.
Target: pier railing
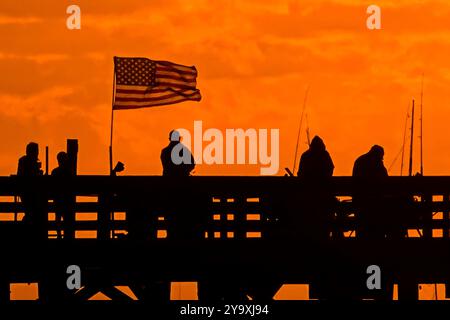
x,y
281,229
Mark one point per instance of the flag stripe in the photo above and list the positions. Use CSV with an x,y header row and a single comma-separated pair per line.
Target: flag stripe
x,y
153,94
189,73
140,97
175,80
133,88
141,92
179,67
135,105
175,85
152,98
166,81
174,75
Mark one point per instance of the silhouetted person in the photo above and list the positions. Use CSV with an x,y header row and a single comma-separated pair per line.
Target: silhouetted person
x,y
316,163
64,201
374,213
368,172
315,169
63,168
384,212
177,162
29,164
370,165
176,158
33,200
186,216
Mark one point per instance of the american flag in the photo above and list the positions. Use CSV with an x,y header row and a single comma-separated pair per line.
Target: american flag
x,y
142,83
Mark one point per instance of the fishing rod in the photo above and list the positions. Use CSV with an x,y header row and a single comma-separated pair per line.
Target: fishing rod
x,y
411,149
421,127
395,159
308,139
412,141
404,140
300,128
402,149
421,150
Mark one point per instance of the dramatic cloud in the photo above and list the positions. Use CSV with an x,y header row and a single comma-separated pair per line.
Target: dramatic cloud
x,y
255,60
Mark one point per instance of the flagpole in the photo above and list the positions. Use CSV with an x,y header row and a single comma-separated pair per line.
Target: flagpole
x,y
112,124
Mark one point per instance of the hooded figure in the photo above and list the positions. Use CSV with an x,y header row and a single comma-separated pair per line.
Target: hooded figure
x,y
316,162
373,212
370,165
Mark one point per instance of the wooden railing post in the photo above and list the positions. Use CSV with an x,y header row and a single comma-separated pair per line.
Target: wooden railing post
x,y
104,216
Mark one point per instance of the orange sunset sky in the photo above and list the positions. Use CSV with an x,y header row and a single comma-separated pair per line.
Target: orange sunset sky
x,y
254,58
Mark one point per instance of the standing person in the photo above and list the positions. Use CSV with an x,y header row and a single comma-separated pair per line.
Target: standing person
x,y
34,203
29,164
64,201
176,158
368,170
316,163
374,214
178,162
315,170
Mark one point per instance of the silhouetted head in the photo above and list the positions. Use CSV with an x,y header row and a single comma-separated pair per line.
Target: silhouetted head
x,y
174,136
317,144
377,152
32,150
62,158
